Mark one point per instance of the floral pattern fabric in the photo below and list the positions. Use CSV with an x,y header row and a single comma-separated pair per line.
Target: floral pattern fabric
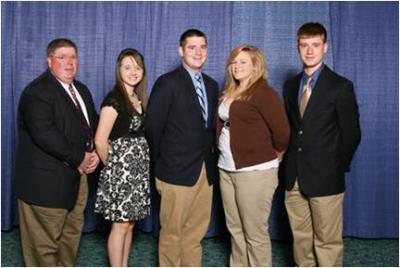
x,y
123,192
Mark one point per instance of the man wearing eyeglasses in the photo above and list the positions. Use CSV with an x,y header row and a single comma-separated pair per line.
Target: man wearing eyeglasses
x,y
56,122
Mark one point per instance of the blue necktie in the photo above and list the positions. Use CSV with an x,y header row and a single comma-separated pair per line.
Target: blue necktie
x,y
201,95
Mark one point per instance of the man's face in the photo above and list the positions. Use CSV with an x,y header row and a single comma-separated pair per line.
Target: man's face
x,y
63,64
312,51
194,52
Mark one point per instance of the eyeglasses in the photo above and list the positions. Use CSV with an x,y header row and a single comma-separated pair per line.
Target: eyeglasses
x,y
65,58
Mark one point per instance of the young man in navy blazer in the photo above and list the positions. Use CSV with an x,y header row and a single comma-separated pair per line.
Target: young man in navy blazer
x,y
180,127
56,122
325,132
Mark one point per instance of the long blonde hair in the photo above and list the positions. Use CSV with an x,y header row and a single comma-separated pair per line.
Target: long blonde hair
x,y
259,63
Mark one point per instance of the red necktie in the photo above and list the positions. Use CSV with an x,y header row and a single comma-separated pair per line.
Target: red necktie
x,y
89,144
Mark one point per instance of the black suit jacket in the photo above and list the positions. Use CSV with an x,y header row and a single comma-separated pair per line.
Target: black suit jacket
x,y
179,141
322,144
51,143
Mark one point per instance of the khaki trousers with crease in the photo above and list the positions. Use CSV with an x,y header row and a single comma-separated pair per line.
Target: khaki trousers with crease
x,y
247,199
51,236
317,226
184,218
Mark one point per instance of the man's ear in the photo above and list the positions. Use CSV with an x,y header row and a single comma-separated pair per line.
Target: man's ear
x,y
180,50
49,62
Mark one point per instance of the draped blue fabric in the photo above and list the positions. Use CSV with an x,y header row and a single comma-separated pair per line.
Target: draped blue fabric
x,y
363,46
369,56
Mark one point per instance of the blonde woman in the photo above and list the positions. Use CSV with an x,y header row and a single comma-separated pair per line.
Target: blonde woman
x,y
253,133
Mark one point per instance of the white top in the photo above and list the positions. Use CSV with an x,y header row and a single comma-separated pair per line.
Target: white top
x,y
78,96
225,160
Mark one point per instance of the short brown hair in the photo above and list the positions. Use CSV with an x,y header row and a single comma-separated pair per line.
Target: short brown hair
x,y
59,42
311,29
191,33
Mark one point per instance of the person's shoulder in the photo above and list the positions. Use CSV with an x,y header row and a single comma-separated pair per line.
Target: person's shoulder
x,y
171,74
39,85
262,88
209,79
41,80
80,85
113,99
292,79
336,77
113,95
171,79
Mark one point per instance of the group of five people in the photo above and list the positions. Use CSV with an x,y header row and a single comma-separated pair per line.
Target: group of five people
x,y
192,137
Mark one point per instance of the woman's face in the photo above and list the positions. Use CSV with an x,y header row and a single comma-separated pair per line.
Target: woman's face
x,y
131,72
242,67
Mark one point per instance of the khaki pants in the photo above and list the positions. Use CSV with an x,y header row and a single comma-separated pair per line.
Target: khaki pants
x,y
247,199
50,236
184,218
317,225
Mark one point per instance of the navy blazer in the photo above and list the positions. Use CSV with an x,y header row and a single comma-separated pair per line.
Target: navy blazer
x,y
323,142
51,143
179,141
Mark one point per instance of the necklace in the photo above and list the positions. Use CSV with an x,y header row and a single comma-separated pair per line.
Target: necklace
x,y
136,103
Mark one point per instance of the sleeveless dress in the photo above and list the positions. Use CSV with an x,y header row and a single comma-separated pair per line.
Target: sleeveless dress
x,y
123,192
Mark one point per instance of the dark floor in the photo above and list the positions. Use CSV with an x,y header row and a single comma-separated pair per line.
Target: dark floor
x,y
92,252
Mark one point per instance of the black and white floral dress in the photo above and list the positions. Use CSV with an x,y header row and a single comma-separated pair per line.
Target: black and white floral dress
x,y
123,193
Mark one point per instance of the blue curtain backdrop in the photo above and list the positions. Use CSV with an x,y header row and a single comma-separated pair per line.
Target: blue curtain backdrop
x,y
363,46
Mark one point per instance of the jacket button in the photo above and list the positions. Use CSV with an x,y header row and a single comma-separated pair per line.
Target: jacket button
x,y
301,132
300,149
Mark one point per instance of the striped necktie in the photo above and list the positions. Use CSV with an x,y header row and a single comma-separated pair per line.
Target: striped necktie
x,y
89,143
201,96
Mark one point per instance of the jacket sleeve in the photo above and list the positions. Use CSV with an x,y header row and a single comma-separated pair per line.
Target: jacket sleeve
x,y
285,99
37,114
157,115
349,126
274,115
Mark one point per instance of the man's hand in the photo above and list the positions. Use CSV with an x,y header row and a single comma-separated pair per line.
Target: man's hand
x,y
89,163
94,162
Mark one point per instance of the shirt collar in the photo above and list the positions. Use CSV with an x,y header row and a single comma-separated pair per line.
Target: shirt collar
x,y
191,72
314,75
65,85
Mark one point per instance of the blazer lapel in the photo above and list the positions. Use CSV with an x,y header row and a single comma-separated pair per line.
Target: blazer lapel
x,y
70,102
87,102
210,100
317,93
190,90
63,93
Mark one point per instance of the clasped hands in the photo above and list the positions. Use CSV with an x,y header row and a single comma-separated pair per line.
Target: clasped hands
x,y
89,163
